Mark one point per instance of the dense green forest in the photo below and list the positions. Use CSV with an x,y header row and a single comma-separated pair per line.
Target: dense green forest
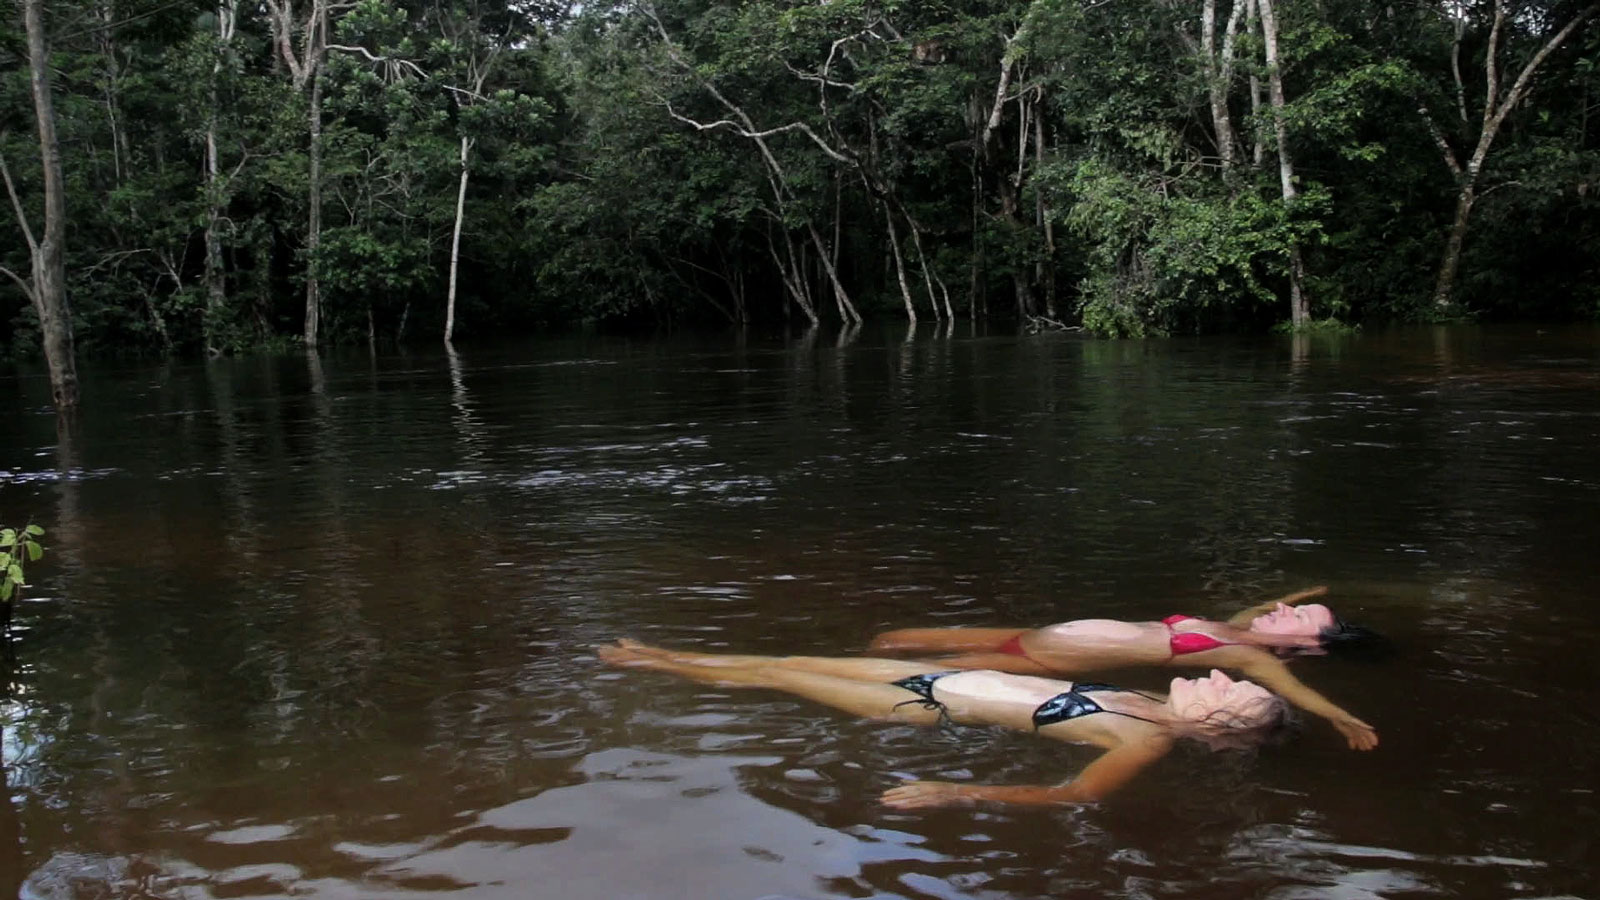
x,y
233,175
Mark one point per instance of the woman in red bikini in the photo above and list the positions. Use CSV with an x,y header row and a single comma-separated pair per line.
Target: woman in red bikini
x,y
1135,729
1251,642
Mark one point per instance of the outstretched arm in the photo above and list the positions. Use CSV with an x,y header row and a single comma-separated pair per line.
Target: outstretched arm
x,y
1243,618
1106,774
1270,672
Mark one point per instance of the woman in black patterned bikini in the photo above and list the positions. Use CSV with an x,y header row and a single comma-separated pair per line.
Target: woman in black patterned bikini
x,y
1134,728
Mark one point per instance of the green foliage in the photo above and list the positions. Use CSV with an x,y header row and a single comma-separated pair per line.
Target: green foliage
x,y
1167,254
591,199
18,548
1328,326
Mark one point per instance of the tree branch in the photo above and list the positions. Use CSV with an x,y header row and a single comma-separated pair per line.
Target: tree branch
x,y
473,94
1455,68
16,204
742,131
372,57
819,79
1525,79
114,258
1491,68
26,288
1439,139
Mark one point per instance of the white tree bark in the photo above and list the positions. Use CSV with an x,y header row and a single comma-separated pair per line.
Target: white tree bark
x,y
1299,304
49,287
455,244
216,286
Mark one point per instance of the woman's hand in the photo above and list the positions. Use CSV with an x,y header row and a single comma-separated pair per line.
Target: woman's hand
x,y
925,794
1360,735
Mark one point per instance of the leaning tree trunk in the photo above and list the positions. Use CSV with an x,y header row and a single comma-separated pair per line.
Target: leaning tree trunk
x,y
899,264
49,275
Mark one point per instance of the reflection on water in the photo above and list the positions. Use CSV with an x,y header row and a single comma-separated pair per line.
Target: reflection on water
x,y
620,833
319,626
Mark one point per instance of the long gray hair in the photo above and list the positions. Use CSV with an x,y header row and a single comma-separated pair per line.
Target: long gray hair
x,y
1261,722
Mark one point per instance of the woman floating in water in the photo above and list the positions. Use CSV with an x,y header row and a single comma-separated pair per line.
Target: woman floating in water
x,y
1135,728
1250,642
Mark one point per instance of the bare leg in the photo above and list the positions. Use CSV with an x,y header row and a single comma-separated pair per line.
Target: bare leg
x,y
871,699
858,669
944,640
1003,662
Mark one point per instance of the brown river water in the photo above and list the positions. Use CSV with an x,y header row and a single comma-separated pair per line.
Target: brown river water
x,y
321,628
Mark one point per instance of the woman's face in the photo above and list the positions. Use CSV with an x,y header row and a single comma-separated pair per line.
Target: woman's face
x,y
1199,699
1309,619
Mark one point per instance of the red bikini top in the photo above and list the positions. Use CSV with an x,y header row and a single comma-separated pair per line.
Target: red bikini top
x,y
1189,641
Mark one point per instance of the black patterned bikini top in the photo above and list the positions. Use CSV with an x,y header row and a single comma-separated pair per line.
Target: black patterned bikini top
x,y
1070,704
1073,705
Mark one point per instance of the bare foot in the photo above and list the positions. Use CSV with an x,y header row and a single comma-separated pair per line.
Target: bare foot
x,y
684,657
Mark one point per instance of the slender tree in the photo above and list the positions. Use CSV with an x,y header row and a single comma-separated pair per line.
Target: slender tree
x,y
1498,102
47,288
1299,304
305,63
227,17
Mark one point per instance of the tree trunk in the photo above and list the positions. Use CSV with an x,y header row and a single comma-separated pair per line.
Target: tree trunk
x,y
977,293
1047,267
1444,287
314,217
899,265
1495,109
1027,306
792,276
216,286
1257,146
847,310
1219,75
1299,304
928,275
455,244
119,136
49,275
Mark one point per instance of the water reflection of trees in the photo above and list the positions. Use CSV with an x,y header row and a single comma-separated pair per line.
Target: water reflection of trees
x,y
251,664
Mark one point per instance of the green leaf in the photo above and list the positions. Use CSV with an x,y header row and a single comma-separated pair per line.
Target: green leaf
x,y
6,587
34,551
8,537
5,560
15,572
34,530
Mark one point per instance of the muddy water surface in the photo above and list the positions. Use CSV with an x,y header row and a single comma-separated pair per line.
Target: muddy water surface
x,y
319,627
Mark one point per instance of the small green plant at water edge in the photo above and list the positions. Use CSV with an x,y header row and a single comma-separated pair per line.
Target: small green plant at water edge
x,y
1329,325
17,548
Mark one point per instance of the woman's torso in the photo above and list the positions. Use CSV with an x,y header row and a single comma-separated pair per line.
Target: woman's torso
x,y
1087,645
987,697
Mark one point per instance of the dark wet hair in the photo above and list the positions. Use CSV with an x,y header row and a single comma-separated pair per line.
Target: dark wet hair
x,y
1354,641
